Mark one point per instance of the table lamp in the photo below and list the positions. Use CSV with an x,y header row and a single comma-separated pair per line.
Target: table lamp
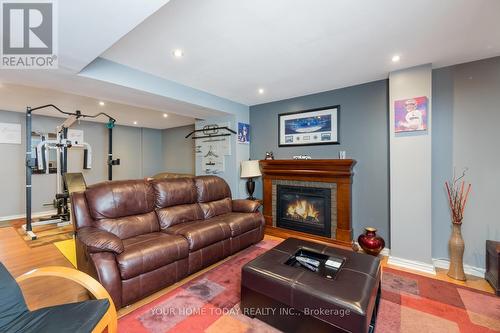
x,y
249,170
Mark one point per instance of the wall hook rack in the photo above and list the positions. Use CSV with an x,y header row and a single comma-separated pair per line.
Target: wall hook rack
x,y
211,131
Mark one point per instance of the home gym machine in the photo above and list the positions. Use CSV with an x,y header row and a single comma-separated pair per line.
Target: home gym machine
x,y
66,182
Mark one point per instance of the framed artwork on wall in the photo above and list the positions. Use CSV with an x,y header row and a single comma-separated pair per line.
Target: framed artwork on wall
x,y
410,115
309,127
243,133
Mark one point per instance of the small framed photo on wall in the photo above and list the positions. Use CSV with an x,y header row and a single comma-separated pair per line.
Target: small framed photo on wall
x,y
309,127
243,133
410,115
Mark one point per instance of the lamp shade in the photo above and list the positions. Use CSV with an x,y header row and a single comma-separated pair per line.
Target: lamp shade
x,y
250,169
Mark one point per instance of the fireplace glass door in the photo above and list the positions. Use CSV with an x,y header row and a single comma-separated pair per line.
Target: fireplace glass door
x,y
305,209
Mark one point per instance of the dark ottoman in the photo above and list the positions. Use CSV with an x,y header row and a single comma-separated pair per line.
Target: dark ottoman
x,y
295,299
493,265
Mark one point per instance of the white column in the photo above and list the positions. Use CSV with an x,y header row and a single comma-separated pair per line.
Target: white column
x,y
410,175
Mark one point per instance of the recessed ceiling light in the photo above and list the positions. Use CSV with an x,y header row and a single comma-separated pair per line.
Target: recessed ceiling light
x,y
260,91
396,58
101,103
135,122
178,53
165,115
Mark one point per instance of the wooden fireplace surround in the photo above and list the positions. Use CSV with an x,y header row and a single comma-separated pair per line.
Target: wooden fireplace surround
x,y
328,171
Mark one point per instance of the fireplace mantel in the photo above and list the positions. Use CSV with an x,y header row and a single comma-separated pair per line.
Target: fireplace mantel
x,y
336,171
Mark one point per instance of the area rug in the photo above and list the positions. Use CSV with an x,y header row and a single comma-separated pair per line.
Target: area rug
x,y
410,303
68,250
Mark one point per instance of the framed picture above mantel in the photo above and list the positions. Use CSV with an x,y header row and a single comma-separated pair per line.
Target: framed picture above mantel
x,y
309,127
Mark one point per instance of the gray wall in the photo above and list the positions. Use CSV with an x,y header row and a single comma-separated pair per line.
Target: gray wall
x,y
178,151
152,152
469,99
442,158
140,151
363,134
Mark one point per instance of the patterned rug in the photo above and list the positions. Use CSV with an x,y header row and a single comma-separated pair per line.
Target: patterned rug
x,y
410,303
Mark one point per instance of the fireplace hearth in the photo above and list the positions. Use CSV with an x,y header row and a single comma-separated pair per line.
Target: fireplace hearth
x,y
304,209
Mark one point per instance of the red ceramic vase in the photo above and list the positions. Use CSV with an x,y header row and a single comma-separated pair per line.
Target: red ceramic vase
x,y
370,242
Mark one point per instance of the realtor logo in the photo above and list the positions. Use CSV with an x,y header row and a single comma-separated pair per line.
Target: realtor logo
x,y
29,39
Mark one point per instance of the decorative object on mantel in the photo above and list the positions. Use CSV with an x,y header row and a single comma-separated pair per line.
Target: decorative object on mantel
x,y
250,169
269,155
301,157
342,154
458,192
370,242
309,127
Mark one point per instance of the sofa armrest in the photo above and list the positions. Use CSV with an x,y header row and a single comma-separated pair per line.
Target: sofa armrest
x,y
245,206
98,240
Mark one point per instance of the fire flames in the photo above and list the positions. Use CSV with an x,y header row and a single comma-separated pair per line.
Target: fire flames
x,y
302,210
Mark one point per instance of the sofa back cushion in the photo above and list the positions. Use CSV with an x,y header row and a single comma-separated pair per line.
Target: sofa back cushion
x,y
176,201
125,208
171,216
130,226
214,195
211,188
174,191
214,208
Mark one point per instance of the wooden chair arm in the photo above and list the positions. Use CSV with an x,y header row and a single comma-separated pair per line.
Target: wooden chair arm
x,y
93,286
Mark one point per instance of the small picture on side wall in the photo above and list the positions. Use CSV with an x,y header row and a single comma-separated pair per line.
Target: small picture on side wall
x,y
410,114
243,133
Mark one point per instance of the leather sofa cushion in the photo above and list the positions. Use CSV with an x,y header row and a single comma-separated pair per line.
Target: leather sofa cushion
x,y
211,188
239,223
110,200
148,252
171,216
130,226
214,208
201,233
171,192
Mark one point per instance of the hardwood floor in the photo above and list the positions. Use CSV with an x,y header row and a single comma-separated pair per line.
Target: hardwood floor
x,y
20,258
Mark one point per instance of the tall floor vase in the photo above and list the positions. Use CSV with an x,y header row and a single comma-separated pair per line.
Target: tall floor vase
x,y
456,246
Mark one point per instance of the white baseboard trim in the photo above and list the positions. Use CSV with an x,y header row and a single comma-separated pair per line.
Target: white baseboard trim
x,y
438,263
470,270
412,264
33,215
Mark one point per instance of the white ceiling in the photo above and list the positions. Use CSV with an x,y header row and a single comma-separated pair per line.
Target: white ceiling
x,y
64,81
17,98
87,28
297,47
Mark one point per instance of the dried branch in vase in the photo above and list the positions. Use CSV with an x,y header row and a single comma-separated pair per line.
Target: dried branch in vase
x,y
458,192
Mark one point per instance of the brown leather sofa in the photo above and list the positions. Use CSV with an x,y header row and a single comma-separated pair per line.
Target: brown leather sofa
x,y
137,236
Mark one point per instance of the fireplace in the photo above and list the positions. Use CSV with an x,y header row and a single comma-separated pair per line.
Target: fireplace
x,y
305,209
313,180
